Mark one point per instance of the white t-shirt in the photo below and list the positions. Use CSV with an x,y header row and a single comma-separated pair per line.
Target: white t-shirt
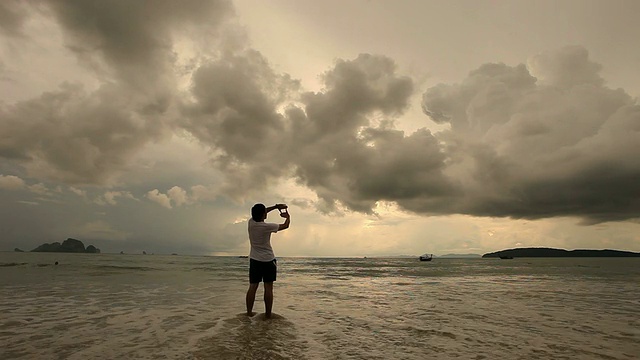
x,y
260,239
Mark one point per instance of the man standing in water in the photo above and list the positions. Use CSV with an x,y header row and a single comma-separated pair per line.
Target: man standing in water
x,y
262,260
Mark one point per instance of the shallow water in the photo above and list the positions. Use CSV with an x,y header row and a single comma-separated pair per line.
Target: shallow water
x,y
181,307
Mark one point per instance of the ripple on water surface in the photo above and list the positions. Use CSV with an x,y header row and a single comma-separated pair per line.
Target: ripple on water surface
x,y
188,308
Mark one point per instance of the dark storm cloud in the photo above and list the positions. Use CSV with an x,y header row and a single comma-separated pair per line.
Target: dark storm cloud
x,y
234,110
528,141
551,142
87,137
481,99
343,154
73,136
555,142
566,68
134,38
329,142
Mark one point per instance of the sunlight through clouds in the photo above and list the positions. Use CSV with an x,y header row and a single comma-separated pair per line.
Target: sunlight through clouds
x,y
383,134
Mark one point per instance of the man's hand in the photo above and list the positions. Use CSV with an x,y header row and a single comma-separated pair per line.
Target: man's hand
x,y
276,206
287,220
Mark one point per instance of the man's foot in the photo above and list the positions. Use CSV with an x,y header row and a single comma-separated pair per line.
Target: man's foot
x,y
267,315
251,313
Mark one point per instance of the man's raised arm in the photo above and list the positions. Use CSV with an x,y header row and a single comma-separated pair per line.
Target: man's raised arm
x,y
287,221
276,206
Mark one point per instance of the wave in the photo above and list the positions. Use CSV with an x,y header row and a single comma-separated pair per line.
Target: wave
x,y
12,264
120,267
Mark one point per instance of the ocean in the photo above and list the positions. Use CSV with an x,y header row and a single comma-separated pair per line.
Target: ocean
x,y
104,306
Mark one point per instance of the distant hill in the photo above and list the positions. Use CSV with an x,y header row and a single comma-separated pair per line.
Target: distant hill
x,y
68,246
550,252
460,256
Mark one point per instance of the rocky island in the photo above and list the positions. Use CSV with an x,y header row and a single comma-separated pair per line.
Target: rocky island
x,y
68,246
550,252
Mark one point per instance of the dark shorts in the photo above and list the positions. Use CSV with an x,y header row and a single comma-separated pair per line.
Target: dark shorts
x,y
262,271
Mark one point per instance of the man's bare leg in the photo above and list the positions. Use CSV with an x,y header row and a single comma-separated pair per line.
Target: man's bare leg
x,y
251,297
268,298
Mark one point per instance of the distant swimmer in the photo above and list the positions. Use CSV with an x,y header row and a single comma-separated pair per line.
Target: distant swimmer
x,y
262,261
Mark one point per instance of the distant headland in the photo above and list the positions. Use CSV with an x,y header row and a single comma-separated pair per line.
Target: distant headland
x,y
550,252
68,246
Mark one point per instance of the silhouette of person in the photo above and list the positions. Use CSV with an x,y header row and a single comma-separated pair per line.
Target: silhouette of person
x,y
262,260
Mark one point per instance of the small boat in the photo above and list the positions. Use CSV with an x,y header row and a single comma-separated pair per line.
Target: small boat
x,y
506,257
426,257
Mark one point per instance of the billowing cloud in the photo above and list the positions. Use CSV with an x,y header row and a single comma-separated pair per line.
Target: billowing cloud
x,y
178,196
545,139
234,111
40,189
79,136
204,193
111,197
79,192
11,182
566,68
326,142
73,136
104,101
345,147
524,142
156,196
562,144
134,41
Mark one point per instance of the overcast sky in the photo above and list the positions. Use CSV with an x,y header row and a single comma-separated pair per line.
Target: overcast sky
x,y
389,127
